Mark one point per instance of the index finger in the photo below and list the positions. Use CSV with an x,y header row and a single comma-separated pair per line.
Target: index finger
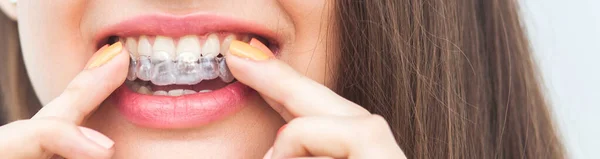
x,y
278,81
105,72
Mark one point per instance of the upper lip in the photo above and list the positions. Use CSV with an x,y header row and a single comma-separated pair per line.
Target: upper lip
x,y
177,26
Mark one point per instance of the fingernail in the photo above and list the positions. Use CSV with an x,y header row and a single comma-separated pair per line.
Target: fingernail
x,y
269,154
260,46
281,129
97,137
245,50
105,55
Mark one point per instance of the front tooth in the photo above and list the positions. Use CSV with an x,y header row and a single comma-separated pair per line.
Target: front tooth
x,y
164,48
187,69
144,90
165,72
160,93
189,44
211,47
188,52
187,91
176,92
131,46
144,68
144,48
226,43
208,68
162,59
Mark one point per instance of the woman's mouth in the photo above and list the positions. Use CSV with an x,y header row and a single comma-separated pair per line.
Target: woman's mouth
x,y
178,77
166,66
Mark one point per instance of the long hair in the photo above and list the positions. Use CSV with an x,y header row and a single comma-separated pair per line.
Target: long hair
x,y
454,78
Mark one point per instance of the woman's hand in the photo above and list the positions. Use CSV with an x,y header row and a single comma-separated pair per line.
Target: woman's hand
x,y
320,123
54,129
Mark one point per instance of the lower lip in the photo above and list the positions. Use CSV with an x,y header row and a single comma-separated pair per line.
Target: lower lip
x,y
182,111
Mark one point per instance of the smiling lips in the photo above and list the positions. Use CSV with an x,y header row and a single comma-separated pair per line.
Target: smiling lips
x,y
188,63
177,76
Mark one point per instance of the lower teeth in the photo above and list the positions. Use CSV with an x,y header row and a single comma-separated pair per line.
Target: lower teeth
x,y
145,88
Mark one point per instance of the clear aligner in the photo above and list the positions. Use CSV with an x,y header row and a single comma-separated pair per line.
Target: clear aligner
x,y
186,69
224,71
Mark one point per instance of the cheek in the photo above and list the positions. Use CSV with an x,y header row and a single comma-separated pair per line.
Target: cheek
x,y
53,47
311,52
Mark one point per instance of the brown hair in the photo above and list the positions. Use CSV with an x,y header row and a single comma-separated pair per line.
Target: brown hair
x,y
454,78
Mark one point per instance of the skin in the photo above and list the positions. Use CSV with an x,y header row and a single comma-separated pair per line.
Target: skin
x,y
332,127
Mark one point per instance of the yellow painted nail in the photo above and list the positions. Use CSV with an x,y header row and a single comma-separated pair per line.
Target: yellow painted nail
x,y
245,50
105,55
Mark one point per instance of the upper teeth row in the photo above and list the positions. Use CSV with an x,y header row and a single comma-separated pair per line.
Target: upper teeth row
x,y
189,63
165,48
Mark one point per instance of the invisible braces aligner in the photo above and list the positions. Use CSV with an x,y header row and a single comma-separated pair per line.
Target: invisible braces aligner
x,y
186,69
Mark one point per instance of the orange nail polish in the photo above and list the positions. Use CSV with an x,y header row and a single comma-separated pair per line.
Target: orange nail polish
x,y
245,50
105,55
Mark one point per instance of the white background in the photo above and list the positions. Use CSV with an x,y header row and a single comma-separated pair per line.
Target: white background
x,y
566,39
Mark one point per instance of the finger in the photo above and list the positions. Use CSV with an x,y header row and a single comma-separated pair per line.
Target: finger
x,y
277,81
42,138
104,73
337,137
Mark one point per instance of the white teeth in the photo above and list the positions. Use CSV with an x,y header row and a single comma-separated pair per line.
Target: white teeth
x,y
211,47
144,47
189,44
186,60
186,92
144,90
131,46
137,87
160,93
226,43
176,92
205,91
164,48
